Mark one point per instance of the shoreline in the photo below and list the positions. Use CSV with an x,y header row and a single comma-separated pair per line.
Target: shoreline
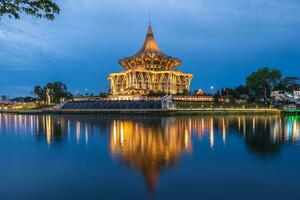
x,y
178,111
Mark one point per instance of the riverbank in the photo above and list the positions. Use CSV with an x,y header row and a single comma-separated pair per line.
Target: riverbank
x,y
292,112
178,111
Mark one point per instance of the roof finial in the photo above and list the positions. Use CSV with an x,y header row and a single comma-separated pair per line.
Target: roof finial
x,y
149,18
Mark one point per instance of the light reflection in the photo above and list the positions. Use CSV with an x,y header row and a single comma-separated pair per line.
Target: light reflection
x,y
49,128
244,126
69,128
239,123
152,144
150,148
78,131
281,129
86,134
223,131
253,124
212,137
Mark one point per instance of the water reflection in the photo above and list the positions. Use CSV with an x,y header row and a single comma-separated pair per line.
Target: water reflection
x,y
149,145
152,144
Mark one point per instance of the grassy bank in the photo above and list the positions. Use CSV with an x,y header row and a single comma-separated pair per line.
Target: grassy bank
x,y
24,107
181,104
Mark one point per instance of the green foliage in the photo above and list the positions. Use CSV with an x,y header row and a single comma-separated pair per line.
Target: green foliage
x,y
40,93
217,96
37,8
156,94
259,86
57,89
239,92
103,94
288,84
3,98
24,99
160,93
262,82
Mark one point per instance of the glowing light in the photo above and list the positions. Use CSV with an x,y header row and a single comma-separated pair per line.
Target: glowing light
x,y
78,131
212,138
86,134
49,129
223,131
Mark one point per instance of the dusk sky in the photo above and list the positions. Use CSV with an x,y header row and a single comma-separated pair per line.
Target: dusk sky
x,y
219,41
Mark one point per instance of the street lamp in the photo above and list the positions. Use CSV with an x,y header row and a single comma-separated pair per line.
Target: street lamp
x,y
212,88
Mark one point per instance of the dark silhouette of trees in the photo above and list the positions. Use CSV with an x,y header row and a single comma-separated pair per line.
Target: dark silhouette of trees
x,y
58,90
38,8
24,99
262,82
288,84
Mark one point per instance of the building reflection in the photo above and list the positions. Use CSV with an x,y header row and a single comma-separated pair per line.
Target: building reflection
x,y
153,144
149,147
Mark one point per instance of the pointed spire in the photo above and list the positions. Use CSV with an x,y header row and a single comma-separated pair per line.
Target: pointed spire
x,y
149,18
149,32
150,45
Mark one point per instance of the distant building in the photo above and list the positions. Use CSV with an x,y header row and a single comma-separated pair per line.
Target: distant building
x,y
199,92
149,70
297,94
276,93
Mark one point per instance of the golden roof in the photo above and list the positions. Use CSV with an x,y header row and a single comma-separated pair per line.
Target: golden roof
x,y
150,47
150,56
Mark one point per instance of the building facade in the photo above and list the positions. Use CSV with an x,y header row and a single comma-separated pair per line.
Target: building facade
x,y
149,70
297,94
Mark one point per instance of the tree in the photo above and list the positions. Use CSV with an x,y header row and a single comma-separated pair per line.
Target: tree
x,y
225,92
58,90
288,84
37,8
24,99
241,91
156,94
261,82
18,99
29,99
103,94
4,98
217,97
40,93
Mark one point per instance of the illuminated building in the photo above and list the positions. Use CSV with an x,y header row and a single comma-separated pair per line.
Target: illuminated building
x,y
149,70
199,92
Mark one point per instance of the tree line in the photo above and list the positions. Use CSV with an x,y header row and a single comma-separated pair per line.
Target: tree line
x,y
55,92
259,85
257,88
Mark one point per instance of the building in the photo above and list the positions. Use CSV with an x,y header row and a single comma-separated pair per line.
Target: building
x,y
116,103
297,94
199,92
149,71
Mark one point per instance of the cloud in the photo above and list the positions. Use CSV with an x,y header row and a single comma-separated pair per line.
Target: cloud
x,y
83,44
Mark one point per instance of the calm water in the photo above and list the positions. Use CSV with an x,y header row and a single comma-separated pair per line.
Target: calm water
x,y
114,157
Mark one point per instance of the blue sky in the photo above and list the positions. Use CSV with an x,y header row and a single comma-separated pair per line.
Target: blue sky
x,y
219,41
